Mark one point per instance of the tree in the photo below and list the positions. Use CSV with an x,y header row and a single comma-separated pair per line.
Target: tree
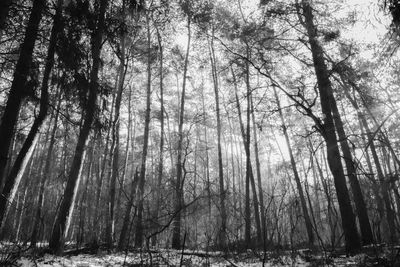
x,y
13,179
63,217
142,175
115,151
214,74
328,132
176,223
20,87
307,219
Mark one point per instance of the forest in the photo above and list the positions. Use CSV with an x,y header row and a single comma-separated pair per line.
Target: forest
x,y
199,133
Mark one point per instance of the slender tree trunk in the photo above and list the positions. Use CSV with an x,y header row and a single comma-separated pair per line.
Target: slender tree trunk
x,y
352,239
46,173
162,133
84,196
247,210
101,169
64,215
45,176
139,226
25,187
307,219
128,210
18,89
134,177
176,224
361,209
222,196
115,149
207,163
13,179
258,171
389,226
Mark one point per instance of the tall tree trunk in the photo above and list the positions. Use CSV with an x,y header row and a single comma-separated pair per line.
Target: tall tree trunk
x,y
258,171
139,226
247,210
327,129
245,132
13,179
84,196
115,148
25,187
128,210
222,195
64,215
162,132
134,176
176,223
389,230
45,176
307,219
207,163
361,209
101,170
247,138
18,89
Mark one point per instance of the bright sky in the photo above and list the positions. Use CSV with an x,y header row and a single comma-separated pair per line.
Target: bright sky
x,y
371,23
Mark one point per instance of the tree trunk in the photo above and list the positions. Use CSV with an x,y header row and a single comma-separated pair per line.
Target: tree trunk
x,y
222,196
45,176
13,179
18,89
162,133
64,215
389,230
46,173
115,148
352,239
258,171
139,227
361,209
25,187
307,219
176,224
249,170
247,210
127,216
207,163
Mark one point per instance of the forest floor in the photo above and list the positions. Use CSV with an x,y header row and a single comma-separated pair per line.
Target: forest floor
x,y
17,256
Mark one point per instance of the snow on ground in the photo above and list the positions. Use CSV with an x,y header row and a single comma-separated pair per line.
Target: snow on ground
x,y
167,257
164,258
